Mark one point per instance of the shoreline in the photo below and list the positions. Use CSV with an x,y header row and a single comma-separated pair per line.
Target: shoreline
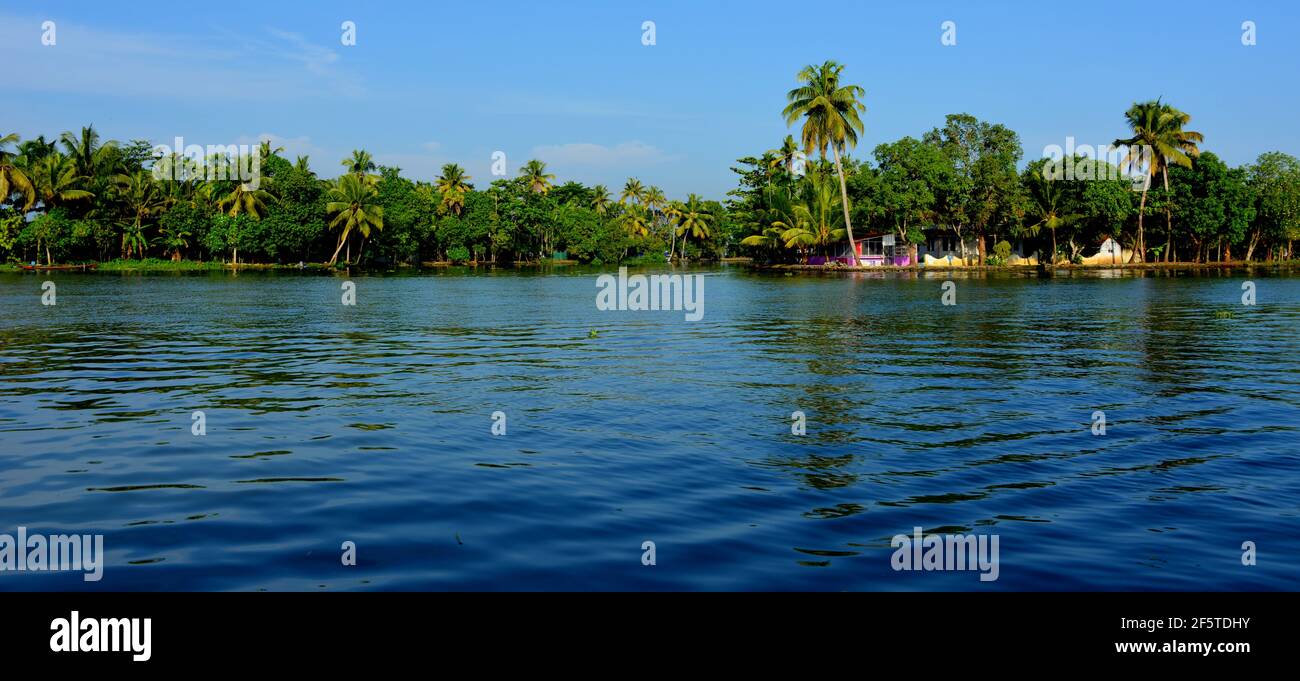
x,y
150,266
792,268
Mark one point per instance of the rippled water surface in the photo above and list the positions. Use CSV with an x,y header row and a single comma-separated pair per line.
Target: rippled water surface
x,y
372,424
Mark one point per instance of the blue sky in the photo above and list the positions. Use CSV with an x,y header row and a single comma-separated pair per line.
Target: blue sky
x,y
570,81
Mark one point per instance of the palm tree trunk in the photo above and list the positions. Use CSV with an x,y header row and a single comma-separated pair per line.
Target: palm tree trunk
x,y
1139,247
844,201
1169,224
335,258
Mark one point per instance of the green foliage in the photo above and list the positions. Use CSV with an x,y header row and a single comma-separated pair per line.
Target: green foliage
x,y
458,254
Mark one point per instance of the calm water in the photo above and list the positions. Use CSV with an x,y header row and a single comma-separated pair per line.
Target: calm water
x,y
372,424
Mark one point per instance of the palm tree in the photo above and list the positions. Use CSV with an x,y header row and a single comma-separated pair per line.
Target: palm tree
x,y
174,240
360,163
831,114
1046,202
636,221
783,157
302,164
87,153
143,200
655,202
1157,131
12,178
632,191
600,199
352,204
535,176
693,220
816,222
453,184
246,200
56,180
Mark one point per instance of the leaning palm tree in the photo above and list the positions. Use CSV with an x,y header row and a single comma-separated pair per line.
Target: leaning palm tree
x,y
693,220
352,203
12,178
535,176
453,185
632,191
832,118
1157,132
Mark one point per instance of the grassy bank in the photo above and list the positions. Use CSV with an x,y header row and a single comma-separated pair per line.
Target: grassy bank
x,y
1030,268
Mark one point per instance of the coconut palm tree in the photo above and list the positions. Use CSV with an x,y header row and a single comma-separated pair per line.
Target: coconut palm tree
x,y
352,204
693,220
636,221
245,199
816,217
12,178
783,157
600,199
632,191
832,118
535,176
56,181
1158,140
453,185
143,200
90,157
1047,203
360,162
303,164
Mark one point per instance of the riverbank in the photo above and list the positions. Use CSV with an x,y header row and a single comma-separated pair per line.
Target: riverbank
x,y
789,268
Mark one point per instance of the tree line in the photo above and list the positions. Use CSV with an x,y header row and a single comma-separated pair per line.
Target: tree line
x,y
79,199
1162,197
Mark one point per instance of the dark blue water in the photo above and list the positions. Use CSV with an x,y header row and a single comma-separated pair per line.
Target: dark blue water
x,y
372,424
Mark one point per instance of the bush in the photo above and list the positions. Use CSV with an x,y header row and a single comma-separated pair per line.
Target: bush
x,y
1002,250
458,254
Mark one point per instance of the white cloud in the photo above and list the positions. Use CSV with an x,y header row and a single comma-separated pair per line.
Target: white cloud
x,y
255,64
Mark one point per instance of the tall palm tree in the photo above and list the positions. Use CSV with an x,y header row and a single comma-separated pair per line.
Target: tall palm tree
x,y
453,184
832,118
535,176
352,203
360,162
693,220
12,178
600,199
1157,127
632,191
